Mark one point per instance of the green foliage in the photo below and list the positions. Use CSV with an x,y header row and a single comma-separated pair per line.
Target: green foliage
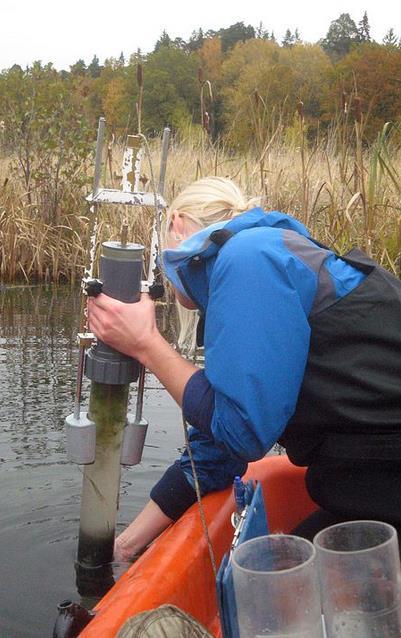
x,y
390,39
238,60
45,134
281,76
342,34
237,32
171,95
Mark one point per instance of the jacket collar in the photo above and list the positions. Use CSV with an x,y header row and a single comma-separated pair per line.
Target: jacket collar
x,y
186,266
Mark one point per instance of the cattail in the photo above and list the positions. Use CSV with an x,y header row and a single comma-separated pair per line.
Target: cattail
x,y
300,110
200,76
358,109
257,98
139,75
344,103
206,121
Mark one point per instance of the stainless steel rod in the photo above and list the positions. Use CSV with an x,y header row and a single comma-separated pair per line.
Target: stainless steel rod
x,y
151,266
80,372
163,160
99,155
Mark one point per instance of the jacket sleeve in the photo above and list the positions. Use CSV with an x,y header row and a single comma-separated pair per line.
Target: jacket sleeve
x,y
215,469
256,341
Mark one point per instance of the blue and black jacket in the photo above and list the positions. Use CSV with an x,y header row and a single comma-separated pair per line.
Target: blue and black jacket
x,y
264,288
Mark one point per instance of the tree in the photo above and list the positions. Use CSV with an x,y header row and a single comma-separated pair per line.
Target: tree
x,y
261,33
288,39
179,43
211,59
235,33
196,40
297,37
364,29
342,34
291,38
376,72
171,94
79,68
278,77
390,39
163,42
94,68
46,134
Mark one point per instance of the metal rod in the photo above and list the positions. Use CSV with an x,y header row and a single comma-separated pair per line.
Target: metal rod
x,y
140,391
152,261
89,272
99,155
80,372
163,160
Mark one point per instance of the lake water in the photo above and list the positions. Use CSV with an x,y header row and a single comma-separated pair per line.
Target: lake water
x,y
39,488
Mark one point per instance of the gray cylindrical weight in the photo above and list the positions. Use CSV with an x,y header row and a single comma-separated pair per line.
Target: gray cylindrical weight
x,y
81,439
121,273
133,441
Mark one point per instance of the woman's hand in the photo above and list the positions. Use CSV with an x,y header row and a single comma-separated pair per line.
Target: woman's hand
x,y
150,522
127,327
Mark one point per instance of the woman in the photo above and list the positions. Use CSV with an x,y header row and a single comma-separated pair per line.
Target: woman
x,y
301,347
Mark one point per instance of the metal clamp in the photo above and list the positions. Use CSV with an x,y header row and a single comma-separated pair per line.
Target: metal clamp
x,y
92,287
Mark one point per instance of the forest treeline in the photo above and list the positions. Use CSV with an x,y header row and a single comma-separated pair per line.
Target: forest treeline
x,y
233,82
311,128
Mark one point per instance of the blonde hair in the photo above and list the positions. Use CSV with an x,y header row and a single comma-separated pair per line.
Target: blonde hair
x,y
204,202
209,200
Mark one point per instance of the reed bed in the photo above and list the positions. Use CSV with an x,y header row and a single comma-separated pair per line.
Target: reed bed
x,y
348,194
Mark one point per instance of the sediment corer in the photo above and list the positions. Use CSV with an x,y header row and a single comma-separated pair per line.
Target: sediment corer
x,y
72,619
120,273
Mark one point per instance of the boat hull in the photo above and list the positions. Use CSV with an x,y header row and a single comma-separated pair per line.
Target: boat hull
x,y
176,568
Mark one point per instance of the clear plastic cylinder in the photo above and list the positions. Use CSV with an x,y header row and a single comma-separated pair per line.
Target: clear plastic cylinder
x,y
276,588
359,568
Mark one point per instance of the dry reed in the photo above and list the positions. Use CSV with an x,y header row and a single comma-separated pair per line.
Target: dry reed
x,y
347,194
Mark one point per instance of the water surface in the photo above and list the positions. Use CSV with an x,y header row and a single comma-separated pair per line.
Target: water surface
x,y
40,489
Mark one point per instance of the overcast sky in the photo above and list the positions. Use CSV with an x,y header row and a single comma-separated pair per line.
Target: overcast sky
x,y
62,32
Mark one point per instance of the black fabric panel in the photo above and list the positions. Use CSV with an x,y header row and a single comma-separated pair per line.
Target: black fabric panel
x,y
352,382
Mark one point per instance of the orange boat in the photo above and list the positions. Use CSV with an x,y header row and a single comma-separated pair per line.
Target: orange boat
x,y
176,568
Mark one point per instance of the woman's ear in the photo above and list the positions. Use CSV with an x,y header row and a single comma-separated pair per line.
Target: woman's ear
x,y
177,224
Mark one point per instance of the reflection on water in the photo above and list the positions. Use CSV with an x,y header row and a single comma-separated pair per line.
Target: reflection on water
x,y
40,489
37,359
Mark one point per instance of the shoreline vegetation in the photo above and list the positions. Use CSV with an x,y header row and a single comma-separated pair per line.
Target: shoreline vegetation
x,y
347,194
314,130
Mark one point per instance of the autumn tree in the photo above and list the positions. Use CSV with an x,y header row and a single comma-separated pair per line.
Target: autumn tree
x,y
211,59
375,72
262,82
